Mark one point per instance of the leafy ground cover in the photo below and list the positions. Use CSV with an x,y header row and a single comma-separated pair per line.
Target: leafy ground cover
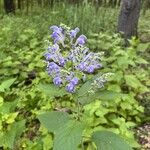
x,y
24,93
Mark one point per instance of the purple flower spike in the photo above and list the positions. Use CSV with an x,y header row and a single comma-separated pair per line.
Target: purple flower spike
x,y
75,81
74,32
81,40
70,87
57,34
90,69
69,61
57,81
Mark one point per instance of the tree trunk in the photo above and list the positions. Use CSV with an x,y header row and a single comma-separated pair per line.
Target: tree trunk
x,y
27,6
39,3
19,4
9,6
128,18
51,3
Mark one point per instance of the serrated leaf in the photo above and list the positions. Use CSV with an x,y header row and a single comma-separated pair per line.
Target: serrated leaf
x,y
6,84
122,61
142,47
104,95
52,90
127,106
69,136
84,89
141,61
106,140
132,81
68,133
54,120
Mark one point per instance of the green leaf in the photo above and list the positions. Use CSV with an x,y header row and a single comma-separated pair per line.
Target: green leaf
x,y
8,107
52,90
47,142
13,134
122,61
11,117
54,120
1,101
84,89
69,136
106,140
104,95
6,84
142,47
132,81
141,61
68,133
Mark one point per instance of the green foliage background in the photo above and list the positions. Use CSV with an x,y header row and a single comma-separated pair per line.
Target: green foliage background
x,y
24,95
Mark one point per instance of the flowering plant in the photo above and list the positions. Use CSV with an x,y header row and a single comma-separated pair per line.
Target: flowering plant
x,y
74,68
69,62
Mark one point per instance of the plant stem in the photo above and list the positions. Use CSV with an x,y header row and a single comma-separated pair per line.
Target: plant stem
x,y
78,110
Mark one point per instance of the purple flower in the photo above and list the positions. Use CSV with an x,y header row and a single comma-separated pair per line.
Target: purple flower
x,y
70,87
74,81
57,34
56,29
62,61
74,32
81,66
54,35
57,39
53,65
48,56
90,69
72,56
53,68
57,81
81,40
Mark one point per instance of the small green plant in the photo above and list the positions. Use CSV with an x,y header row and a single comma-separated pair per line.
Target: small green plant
x,y
10,129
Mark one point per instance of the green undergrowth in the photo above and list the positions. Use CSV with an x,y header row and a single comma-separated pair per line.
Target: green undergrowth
x,y
23,95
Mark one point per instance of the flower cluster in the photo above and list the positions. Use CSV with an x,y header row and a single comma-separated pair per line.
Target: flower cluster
x,y
69,67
